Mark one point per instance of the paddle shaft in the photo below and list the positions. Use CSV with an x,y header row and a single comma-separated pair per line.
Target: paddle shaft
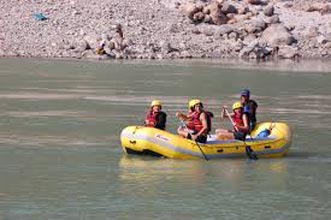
x,y
249,151
204,155
229,116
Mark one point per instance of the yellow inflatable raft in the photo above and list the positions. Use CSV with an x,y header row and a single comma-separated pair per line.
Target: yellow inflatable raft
x,y
267,140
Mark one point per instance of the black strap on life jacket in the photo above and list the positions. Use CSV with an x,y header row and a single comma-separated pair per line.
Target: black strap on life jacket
x,y
209,115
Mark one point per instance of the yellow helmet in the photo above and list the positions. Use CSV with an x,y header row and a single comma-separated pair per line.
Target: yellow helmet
x,y
156,102
236,105
193,102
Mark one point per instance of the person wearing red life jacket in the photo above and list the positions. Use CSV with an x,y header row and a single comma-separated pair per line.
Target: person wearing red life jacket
x,y
240,121
155,117
198,123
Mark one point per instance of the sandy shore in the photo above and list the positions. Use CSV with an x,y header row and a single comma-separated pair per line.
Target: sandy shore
x,y
166,29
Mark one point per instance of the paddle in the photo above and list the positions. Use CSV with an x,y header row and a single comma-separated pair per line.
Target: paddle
x,y
249,151
184,126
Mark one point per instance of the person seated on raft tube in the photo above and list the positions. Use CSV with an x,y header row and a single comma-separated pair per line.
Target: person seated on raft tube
x,y
155,117
250,106
240,124
198,122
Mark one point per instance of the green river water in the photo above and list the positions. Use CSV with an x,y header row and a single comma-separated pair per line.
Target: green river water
x,y
61,159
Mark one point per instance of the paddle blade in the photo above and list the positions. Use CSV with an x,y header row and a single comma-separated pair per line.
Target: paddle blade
x,y
250,153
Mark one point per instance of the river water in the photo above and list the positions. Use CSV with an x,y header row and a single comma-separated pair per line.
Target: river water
x,y
60,153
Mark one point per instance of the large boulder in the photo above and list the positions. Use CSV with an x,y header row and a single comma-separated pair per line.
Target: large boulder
x,y
215,12
272,20
269,10
198,17
189,9
277,35
219,19
320,7
255,50
224,30
93,40
288,52
228,8
256,2
255,25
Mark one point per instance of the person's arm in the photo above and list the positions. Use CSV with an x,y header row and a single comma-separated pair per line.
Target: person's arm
x,y
162,120
182,116
224,114
203,119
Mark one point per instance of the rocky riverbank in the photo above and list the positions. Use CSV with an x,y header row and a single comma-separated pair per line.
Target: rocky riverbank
x,y
166,29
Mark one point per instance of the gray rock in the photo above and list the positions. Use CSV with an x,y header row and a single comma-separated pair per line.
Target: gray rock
x,y
223,30
207,19
228,8
166,48
255,25
282,38
321,39
185,54
257,2
249,38
219,19
288,52
208,31
269,10
328,45
255,51
233,36
175,28
311,32
190,9
238,46
198,17
272,20
242,9
196,31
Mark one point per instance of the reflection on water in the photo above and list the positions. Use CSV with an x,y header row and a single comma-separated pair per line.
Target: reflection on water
x,y
141,172
279,167
155,171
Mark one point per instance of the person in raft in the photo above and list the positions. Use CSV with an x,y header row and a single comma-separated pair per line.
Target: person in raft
x,y
240,123
250,106
155,117
198,122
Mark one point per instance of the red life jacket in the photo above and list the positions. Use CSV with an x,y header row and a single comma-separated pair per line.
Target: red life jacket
x,y
190,123
152,118
196,125
238,119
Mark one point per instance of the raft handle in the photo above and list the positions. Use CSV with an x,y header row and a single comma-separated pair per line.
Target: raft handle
x,y
267,147
133,142
220,151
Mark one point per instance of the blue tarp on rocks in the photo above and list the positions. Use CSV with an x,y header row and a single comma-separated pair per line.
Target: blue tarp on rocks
x,y
39,17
